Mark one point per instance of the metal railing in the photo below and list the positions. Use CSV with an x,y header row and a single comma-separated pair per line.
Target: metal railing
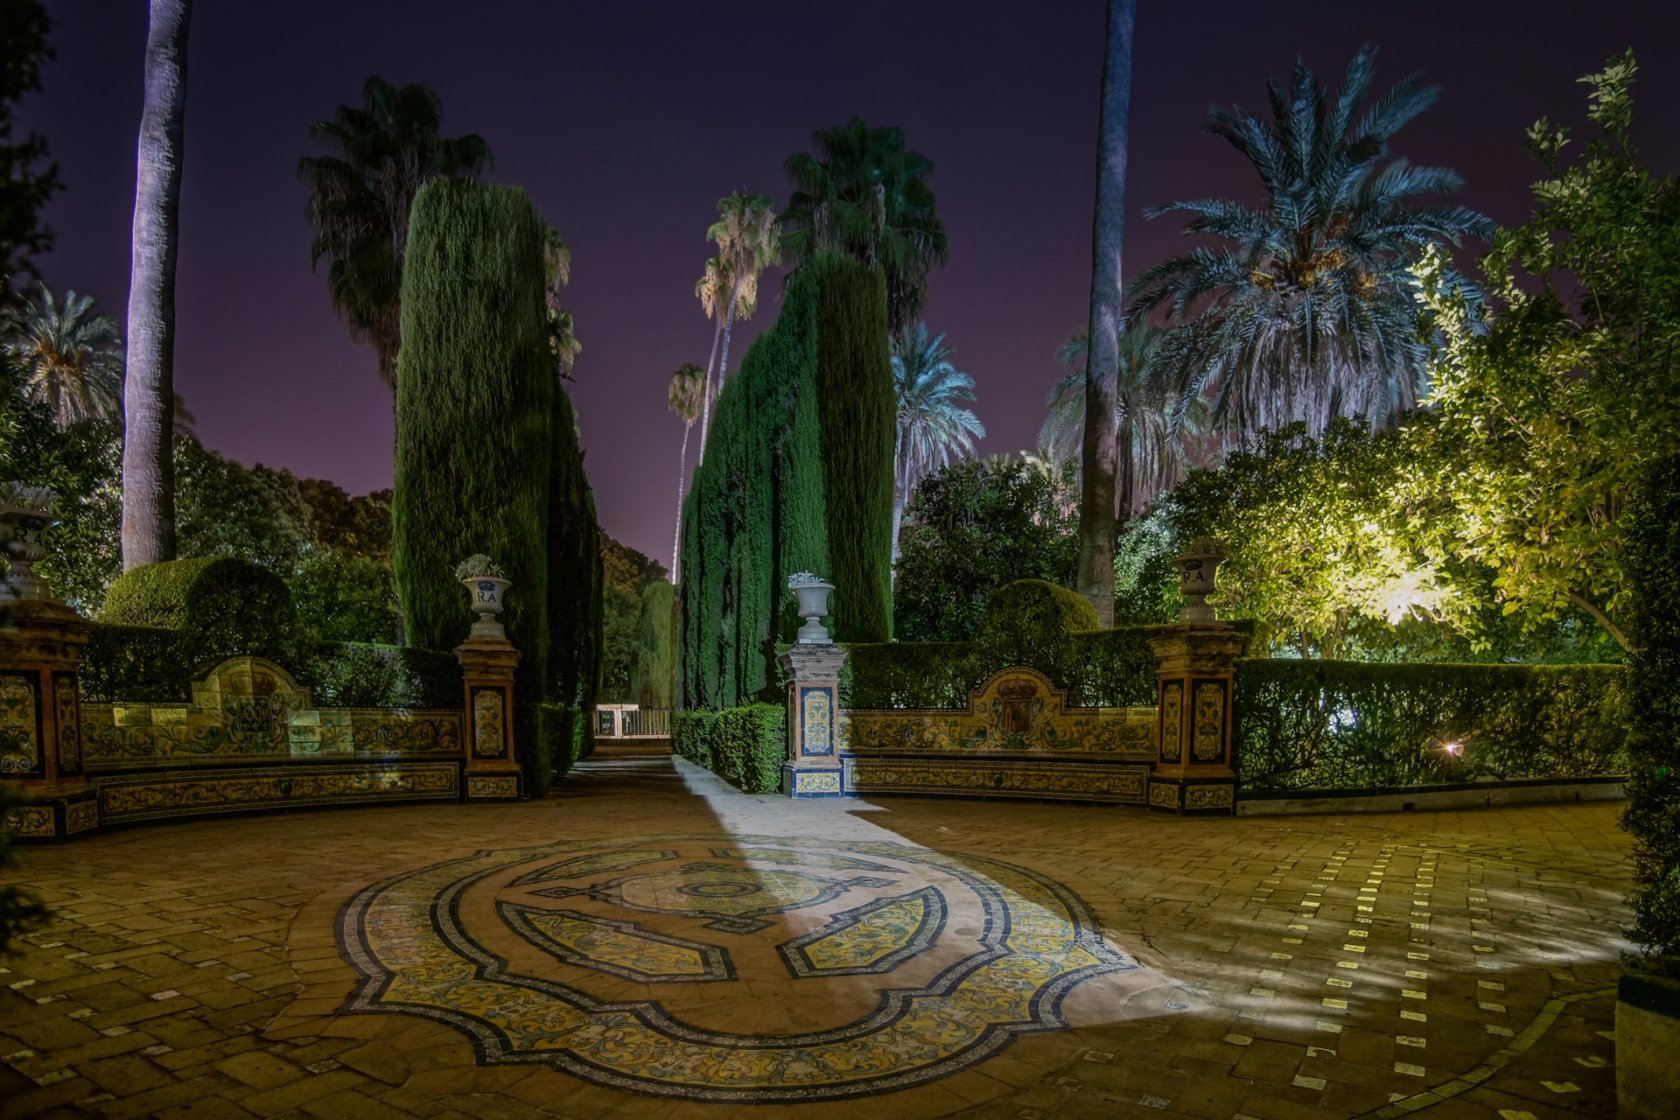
x,y
622,721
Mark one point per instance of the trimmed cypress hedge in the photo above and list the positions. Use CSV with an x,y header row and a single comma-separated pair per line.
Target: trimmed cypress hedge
x,y
1653,814
787,466
140,664
1361,725
858,405
487,455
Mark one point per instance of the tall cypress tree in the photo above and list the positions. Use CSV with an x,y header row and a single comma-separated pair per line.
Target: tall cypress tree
x,y
476,407
797,477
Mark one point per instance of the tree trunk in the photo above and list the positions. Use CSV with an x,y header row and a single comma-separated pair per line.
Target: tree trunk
x,y
901,493
728,326
706,390
1102,361
148,477
682,480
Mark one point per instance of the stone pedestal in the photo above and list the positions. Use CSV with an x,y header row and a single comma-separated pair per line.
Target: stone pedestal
x,y
487,666
1193,772
813,768
41,644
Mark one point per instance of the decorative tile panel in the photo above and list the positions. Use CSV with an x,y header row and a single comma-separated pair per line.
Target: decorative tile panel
x,y
67,717
489,732
1015,711
138,797
20,723
816,721
32,821
1207,722
1172,718
1062,780
248,709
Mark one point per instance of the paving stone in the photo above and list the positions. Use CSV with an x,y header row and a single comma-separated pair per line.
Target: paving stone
x,y
1237,926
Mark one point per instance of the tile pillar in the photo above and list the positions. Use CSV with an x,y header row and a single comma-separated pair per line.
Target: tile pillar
x,y
41,644
1193,774
813,768
487,665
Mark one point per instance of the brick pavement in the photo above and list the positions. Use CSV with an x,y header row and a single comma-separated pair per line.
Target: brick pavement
x,y
1433,964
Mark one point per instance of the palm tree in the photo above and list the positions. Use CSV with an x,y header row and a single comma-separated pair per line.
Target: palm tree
x,y
1306,311
70,358
1098,454
687,390
712,290
359,199
749,240
1154,425
932,424
148,476
866,194
562,329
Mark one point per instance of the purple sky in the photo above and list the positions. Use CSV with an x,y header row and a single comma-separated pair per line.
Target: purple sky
x,y
626,122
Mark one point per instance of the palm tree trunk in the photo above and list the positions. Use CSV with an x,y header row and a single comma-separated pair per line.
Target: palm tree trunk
x,y
728,326
706,396
148,477
900,495
682,480
1098,451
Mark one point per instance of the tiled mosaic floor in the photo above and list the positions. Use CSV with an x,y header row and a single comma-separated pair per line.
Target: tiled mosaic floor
x,y
653,944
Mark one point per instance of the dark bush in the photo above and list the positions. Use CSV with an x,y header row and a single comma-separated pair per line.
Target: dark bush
x,y
1028,621
140,664
357,675
1653,814
1350,725
223,607
691,735
749,745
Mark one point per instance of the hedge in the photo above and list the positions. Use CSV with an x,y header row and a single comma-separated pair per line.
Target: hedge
x,y
1362,725
787,466
148,664
361,675
691,735
1653,814
745,746
560,735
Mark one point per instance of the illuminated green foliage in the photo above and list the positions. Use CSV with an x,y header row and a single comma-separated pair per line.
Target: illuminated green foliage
x,y
799,454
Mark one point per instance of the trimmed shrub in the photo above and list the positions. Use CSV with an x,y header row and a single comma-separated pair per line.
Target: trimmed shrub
x,y
691,735
1653,814
1350,725
655,665
559,740
229,606
749,746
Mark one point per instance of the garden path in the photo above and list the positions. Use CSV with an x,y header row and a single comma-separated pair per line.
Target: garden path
x,y
651,943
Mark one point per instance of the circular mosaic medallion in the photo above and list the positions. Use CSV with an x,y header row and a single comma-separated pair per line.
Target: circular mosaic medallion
x,y
654,964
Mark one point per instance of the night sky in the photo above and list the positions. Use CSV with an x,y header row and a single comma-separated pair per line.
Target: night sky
x,y
627,121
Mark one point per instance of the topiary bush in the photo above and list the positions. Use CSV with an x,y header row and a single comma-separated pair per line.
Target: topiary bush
x,y
1653,813
1029,620
1352,725
223,602
140,664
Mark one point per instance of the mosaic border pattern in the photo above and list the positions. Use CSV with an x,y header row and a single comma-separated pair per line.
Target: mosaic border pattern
x,y
852,926
1122,783
180,793
405,937
622,939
